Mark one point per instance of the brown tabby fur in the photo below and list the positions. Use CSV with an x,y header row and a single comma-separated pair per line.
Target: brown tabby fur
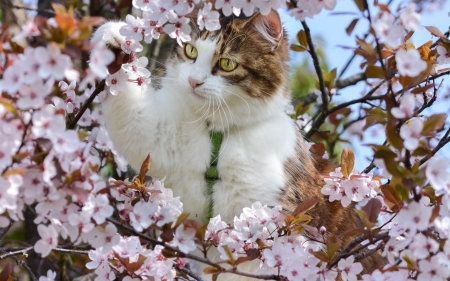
x,y
262,72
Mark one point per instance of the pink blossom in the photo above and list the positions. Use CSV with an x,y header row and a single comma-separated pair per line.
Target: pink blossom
x,y
117,82
52,63
99,60
410,133
99,207
178,28
386,30
409,18
443,55
208,19
184,239
415,217
349,268
133,29
48,241
409,62
407,104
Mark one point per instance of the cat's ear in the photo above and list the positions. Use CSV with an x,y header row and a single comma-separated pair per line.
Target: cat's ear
x,y
269,26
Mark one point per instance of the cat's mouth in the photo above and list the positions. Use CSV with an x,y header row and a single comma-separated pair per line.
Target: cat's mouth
x,y
197,96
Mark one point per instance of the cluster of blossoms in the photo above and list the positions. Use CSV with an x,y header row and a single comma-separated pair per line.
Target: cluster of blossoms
x,y
356,187
309,8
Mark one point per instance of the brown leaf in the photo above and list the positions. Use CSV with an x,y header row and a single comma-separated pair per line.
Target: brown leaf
x,y
361,5
372,209
252,253
436,32
317,149
305,206
393,137
145,168
59,9
410,33
419,90
347,161
433,123
351,26
301,37
365,219
297,48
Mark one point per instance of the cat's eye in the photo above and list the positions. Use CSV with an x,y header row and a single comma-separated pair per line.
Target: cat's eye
x,y
191,51
227,64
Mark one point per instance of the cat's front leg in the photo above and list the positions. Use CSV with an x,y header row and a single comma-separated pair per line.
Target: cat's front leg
x,y
132,115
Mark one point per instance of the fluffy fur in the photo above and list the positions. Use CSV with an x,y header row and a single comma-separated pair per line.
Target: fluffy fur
x,y
262,157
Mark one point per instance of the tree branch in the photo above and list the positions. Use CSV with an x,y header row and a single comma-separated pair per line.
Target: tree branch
x,y
352,80
315,58
15,253
27,268
86,105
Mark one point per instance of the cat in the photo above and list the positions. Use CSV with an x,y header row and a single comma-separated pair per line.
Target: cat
x,y
236,81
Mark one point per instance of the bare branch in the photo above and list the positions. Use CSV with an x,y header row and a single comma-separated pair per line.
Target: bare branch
x,y
315,58
15,253
86,105
27,268
352,80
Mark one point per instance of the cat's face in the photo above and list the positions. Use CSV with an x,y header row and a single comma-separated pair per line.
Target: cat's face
x,y
245,58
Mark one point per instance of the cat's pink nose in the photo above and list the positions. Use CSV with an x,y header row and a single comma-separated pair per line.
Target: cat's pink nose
x,y
194,82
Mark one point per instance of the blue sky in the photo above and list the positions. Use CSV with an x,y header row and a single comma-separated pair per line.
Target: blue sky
x,y
331,28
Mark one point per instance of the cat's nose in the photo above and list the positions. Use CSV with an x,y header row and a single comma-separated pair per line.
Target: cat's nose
x,y
194,82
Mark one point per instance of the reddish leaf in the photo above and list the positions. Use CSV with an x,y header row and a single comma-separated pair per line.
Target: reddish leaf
x,y
333,244
393,137
419,90
5,275
305,206
145,167
347,161
434,123
372,209
317,149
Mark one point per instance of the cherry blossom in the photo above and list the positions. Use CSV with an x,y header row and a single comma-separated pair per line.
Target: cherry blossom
x,y
145,5
133,29
409,62
117,82
437,174
99,207
28,29
386,30
129,46
137,68
443,55
432,270
52,62
410,133
51,276
407,104
48,241
409,18
349,268
99,59
208,19
229,6
178,28
415,217
184,239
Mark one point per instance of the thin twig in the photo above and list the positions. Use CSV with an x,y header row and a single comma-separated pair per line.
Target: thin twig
x,y
27,268
367,253
15,253
86,105
444,141
315,58
71,251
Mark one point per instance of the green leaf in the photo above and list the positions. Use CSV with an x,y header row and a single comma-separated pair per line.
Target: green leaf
x,y
373,71
361,4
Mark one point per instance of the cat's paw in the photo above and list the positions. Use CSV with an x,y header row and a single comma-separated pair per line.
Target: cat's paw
x,y
109,34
